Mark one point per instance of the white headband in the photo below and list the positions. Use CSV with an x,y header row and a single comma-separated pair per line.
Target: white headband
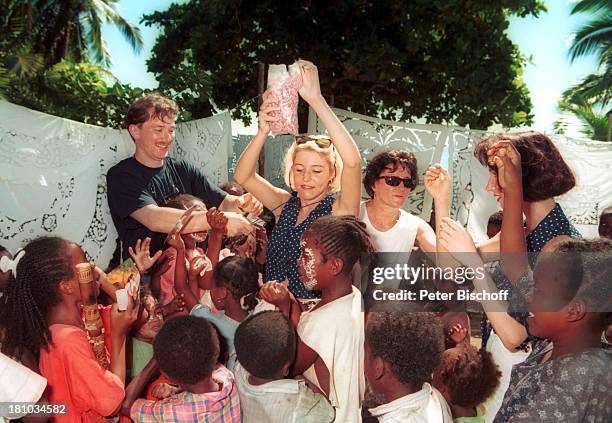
x,y
7,264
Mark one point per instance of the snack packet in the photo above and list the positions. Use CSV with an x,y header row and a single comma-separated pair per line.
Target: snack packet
x,y
284,84
121,275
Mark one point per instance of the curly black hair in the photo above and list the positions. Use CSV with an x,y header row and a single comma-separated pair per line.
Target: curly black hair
x,y
344,237
545,173
264,343
187,349
469,374
28,297
392,159
240,275
412,343
589,272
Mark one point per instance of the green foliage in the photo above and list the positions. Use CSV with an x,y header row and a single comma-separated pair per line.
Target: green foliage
x,y
441,60
595,123
594,92
72,29
79,91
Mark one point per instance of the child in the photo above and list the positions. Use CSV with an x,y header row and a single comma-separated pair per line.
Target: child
x,y
41,314
186,350
402,350
466,378
233,292
494,224
265,348
330,346
567,377
166,281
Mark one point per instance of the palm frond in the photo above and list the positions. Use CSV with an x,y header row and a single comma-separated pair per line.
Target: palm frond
x,y
591,6
130,32
592,37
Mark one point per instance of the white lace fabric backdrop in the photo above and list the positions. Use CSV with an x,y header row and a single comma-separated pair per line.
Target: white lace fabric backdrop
x,y
53,171
53,174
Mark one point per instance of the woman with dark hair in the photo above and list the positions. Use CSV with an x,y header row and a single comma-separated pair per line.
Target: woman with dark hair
x,y
527,172
389,178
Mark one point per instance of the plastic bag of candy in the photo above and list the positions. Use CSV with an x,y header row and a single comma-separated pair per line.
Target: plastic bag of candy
x,y
283,84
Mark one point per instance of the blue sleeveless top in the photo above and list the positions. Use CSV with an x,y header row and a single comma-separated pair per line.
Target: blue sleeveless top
x,y
284,244
554,224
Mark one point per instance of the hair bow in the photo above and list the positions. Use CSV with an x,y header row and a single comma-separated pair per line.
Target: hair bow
x,y
7,264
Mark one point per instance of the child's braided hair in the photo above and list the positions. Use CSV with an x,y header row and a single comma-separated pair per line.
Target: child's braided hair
x,y
28,297
344,237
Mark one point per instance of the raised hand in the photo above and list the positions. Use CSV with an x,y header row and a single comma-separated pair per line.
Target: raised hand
x,y
457,334
311,88
198,265
217,220
176,240
437,181
142,255
507,159
275,293
268,112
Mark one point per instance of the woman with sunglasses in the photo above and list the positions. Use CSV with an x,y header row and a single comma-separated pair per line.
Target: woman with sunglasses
x,y
389,178
315,168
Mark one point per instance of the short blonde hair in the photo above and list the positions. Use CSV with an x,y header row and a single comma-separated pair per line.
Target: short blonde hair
x,y
330,154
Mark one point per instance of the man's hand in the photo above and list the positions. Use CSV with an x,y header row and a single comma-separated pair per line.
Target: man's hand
x,y
142,255
237,224
249,204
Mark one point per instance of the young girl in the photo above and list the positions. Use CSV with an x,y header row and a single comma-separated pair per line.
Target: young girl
x,y
466,377
330,346
233,292
166,281
41,313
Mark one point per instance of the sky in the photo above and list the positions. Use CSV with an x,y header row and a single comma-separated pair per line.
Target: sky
x,y
544,39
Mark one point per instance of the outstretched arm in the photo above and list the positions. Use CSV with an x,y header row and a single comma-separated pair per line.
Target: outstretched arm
x,y
246,174
180,272
348,201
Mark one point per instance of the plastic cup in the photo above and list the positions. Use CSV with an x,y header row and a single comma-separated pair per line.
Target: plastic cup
x,y
122,299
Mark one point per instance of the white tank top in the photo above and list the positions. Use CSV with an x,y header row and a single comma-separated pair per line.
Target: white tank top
x,y
400,238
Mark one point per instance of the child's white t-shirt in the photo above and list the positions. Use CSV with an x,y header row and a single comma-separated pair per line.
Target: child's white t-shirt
x,y
335,331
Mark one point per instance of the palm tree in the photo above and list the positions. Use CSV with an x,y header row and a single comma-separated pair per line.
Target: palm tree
x,y
73,29
592,123
595,36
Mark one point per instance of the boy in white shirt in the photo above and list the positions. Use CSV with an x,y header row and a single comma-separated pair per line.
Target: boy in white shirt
x,y
265,346
401,352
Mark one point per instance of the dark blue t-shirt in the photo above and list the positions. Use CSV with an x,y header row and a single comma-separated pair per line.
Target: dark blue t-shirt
x,y
132,186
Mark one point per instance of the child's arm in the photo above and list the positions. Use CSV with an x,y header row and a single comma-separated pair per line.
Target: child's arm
x,y
121,323
136,387
218,223
513,247
180,272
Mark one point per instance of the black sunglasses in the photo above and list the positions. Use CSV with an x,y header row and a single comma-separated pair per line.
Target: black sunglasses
x,y
320,140
394,181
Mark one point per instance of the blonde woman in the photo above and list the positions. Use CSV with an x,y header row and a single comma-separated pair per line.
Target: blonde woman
x,y
315,168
